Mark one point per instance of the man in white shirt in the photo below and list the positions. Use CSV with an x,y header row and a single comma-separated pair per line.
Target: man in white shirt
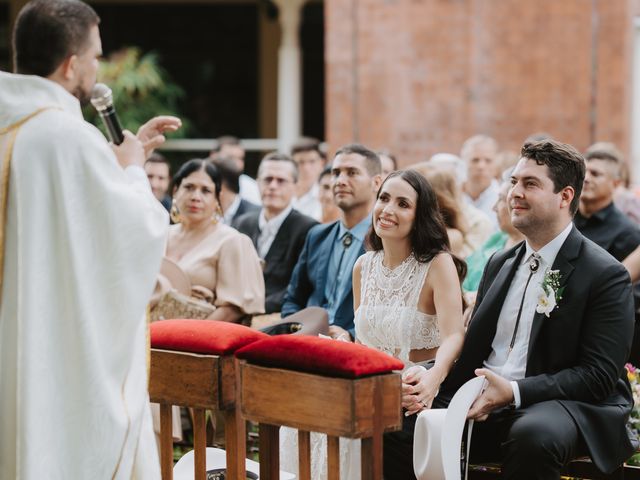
x,y
278,231
480,153
311,161
551,331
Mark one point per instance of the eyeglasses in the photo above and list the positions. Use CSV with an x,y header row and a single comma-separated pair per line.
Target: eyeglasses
x,y
279,181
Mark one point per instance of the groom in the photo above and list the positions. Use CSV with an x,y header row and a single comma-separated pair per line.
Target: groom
x,y
553,357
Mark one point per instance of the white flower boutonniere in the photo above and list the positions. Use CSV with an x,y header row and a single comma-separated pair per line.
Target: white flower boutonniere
x,y
550,292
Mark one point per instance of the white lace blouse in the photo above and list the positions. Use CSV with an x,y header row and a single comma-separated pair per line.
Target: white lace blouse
x,y
388,318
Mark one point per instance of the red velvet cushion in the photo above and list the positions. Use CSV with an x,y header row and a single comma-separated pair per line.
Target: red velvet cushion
x,y
202,336
318,355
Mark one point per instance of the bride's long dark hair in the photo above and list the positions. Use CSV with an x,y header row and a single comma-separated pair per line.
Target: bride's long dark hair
x,y
428,234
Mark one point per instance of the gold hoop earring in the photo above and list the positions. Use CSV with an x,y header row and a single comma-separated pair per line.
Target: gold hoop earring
x,y
217,216
174,213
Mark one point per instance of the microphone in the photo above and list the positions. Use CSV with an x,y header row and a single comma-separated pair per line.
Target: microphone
x,y
102,100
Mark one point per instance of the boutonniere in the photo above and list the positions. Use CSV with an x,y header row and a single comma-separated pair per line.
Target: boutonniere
x,y
550,292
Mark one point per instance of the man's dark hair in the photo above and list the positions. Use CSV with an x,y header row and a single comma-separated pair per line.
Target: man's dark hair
x,y
566,166
225,140
49,31
325,171
196,165
308,144
281,157
372,160
155,157
229,173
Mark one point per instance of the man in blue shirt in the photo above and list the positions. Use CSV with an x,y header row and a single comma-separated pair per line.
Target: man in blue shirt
x,y
322,276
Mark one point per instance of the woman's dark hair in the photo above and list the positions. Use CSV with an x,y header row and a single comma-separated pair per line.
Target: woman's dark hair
x,y
196,165
428,233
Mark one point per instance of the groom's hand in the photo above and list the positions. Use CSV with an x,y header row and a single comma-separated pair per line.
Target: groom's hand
x,y
497,393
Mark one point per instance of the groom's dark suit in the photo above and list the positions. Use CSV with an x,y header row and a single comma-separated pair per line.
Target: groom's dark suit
x,y
576,356
575,360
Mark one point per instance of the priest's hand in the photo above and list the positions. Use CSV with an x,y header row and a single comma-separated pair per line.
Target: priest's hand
x,y
151,133
130,151
497,393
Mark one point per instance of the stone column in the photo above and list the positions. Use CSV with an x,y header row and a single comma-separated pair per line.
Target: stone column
x,y
289,74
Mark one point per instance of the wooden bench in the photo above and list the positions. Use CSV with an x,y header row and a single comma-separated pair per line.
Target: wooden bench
x,y
362,407
200,381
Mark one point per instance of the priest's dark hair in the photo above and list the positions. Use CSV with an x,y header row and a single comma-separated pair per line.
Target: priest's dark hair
x,y
196,165
49,31
428,233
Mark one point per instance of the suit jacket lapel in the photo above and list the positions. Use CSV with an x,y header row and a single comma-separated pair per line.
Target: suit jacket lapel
x,y
563,262
279,240
324,256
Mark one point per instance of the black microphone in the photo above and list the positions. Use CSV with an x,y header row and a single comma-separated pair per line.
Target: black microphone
x,y
102,100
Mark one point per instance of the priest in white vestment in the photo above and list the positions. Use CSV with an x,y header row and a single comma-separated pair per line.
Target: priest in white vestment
x,y
83,239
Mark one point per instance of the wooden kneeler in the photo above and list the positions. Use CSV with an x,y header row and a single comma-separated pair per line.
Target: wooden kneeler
x,y
192,365
320,399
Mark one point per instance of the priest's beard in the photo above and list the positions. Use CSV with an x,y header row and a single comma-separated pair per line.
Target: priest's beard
x,y
83,95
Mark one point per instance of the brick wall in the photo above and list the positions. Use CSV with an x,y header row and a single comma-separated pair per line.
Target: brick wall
x,y
420,76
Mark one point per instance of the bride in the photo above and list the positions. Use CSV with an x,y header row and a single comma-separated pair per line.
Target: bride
x,y
408,303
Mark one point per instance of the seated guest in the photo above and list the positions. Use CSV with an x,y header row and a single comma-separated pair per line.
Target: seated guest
x,y
157,169
623,198
232,204
505,238
278,230
450,206
479,225
310,160
221,263
598,218
389,163
322,276
230,147
554,362
480,153
330,211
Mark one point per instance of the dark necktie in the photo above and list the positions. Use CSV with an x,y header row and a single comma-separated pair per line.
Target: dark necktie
x,y
347,240
534,264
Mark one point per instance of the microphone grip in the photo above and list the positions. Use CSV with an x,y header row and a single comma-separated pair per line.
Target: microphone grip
x,y
112,124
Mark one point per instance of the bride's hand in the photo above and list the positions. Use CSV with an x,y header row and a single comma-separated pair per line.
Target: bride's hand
x,y
419,388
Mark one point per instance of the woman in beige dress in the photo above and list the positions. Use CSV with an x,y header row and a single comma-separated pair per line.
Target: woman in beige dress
x,y
221,263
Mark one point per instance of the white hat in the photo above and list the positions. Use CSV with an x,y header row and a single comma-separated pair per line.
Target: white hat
x,y
216,458
438,435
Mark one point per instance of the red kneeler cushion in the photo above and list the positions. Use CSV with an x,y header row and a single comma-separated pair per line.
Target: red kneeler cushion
x,y
318,355
202,336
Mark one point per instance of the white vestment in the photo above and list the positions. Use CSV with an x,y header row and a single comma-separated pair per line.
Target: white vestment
x,y
84,241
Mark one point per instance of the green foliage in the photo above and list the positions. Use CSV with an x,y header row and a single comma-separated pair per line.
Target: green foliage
x,y
141,89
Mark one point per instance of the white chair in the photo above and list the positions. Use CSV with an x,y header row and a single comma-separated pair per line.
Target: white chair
x,y
438,435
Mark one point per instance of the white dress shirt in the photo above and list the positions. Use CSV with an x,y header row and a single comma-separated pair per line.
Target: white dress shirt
x,y
309,203
513,365
269,230
230,212
249,189
486,201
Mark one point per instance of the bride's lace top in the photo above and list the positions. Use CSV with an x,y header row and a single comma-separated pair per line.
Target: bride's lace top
x,y
388,318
